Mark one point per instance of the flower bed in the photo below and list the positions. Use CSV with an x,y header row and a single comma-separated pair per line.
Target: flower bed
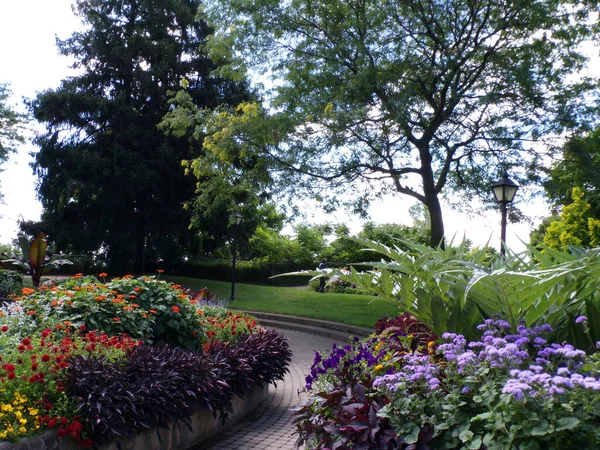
x,y
160,356
512,389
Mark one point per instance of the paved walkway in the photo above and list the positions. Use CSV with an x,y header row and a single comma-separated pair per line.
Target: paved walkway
x,y
270,426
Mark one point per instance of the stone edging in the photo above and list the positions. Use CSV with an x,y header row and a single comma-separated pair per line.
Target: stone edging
x,y
204,426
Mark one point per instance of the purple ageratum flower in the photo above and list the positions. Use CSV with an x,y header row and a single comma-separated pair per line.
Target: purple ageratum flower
x,y
516,388
581,319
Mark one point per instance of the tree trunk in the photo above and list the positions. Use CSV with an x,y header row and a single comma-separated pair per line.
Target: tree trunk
x,y
432,200
437,221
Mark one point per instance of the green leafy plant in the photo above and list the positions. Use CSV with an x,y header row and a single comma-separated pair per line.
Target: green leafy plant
x,y
144,307
454,289
35,258
11,282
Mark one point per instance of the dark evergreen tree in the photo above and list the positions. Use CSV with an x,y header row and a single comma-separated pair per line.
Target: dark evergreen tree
x,y
110,181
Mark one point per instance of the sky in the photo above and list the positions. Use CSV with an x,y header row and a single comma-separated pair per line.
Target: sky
x,y
30,62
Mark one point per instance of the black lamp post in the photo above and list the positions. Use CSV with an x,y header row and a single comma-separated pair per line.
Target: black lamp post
x,y
504,191
236,218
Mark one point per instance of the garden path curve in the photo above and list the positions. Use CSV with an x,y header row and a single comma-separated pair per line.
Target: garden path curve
x,y
270,426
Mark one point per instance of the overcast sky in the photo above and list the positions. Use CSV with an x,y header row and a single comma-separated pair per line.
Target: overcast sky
x,y
29,61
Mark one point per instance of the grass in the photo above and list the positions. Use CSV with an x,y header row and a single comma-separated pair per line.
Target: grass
x,y
359,310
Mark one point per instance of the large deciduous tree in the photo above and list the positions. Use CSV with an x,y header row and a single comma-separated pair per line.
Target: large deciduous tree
x,y
420,97
110,181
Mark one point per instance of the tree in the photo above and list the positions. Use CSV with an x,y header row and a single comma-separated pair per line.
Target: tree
x,y
579,166
417,97
574,226
111,182
11,125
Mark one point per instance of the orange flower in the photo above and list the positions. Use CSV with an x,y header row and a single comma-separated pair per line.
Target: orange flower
x,y
116,319
160,271
103,275
78,275
200,312
30,313
27,291
175,309
128,277
138,289
152,311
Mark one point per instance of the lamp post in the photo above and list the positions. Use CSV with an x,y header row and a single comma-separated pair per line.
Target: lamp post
x,y
236,218
504,191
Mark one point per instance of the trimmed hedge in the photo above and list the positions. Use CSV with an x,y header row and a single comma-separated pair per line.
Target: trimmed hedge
x,y
245,271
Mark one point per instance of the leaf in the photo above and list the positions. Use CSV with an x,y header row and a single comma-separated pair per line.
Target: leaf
x,y
566,423
37,251
466,435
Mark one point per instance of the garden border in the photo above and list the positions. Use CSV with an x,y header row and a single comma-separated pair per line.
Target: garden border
x,y
177,437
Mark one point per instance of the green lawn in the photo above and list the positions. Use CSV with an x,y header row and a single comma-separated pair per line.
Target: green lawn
x,y
360,310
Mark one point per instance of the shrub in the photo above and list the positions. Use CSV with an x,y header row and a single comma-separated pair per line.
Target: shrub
x,y
11,282
144,307
157,385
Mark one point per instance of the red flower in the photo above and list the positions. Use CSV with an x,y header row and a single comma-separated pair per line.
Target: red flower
x,y
51,422
82,327
10,368
4,329
45,357
21,348
175,309
11,376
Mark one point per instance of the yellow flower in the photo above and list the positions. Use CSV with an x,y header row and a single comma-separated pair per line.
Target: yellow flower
x,y
378,367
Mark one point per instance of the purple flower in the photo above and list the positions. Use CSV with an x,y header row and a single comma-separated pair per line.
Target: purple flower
x,y
581,319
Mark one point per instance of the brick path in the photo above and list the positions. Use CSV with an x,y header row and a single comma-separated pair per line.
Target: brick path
x,y
270,426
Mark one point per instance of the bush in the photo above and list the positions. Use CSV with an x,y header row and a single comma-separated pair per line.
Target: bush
x,y
144,308
11,282
511,389
153,386
245,271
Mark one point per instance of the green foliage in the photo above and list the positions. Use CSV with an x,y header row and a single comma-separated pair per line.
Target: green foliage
x,y
579,166
11,282
113,186
35,258
474,398
455,289
414,97
11,124
144,308
575,226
